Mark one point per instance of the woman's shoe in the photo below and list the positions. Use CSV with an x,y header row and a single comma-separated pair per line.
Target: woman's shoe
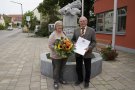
x,y
56,85
86,85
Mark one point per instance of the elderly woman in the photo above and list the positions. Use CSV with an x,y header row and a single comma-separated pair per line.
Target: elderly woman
x,y
57,61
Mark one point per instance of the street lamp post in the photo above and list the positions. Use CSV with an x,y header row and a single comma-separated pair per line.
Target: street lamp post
x,y
82,7
21,8
114,24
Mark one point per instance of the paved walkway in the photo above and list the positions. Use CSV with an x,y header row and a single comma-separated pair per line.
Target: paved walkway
x,y
20,68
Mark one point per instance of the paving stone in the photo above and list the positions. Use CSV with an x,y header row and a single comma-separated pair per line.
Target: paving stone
x,y
103,82
22,88
23,84
35,84
5,80
67,87
20,68
43,84
10,88
117,85
35,88
94,81
35,79
77,87
44,87
100,87
109,87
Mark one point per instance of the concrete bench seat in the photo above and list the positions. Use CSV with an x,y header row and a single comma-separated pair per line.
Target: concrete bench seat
x,y
70,68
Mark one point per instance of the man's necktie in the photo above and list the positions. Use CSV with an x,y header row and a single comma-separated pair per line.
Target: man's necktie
x,y
82,31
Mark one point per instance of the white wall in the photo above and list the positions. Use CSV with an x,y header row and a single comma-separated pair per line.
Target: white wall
x,y
2,20
37,14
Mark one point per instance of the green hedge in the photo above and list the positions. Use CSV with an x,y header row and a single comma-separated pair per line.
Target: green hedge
x,y
2,27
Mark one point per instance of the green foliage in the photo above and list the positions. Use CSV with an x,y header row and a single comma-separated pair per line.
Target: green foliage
x,y
49,10
2,27
43,31
33,23
62,3
7,20
33,20
108,53
48,56
48,7
29,13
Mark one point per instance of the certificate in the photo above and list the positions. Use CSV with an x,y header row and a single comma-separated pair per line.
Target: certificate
x,y
81,45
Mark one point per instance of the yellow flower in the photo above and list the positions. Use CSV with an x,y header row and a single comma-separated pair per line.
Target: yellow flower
x,y
59,46
64,47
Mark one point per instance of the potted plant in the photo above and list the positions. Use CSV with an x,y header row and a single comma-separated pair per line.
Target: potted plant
x,y
108,53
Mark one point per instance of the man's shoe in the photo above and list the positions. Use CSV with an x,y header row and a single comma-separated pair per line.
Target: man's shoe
x,y
56,85
86,85
77,83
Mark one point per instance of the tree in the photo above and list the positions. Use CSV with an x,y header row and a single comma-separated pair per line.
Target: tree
x,y
32,21
49,8
90,15
7,20
62,3
2,27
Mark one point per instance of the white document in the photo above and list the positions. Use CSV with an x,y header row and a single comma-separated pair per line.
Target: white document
x,y
81,45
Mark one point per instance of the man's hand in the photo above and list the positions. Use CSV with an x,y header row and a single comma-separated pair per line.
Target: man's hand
x,y
88,50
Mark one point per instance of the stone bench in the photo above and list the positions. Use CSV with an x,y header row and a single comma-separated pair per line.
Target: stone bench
x,y
70,68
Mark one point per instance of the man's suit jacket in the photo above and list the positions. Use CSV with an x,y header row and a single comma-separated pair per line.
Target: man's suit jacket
x,y
89,35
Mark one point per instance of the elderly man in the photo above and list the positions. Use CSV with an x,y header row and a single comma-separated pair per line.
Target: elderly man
x,y
87,33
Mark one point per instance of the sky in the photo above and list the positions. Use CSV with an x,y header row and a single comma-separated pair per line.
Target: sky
x,y
7,7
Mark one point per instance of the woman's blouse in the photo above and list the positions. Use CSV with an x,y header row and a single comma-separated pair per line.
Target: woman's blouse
x,y
51,41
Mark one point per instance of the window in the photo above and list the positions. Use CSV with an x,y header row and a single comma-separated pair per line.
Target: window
x,y
108,25
122,20
105,21
51,27
100,22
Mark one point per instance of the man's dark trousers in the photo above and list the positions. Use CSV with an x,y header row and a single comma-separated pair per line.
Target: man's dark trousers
x,y
79,68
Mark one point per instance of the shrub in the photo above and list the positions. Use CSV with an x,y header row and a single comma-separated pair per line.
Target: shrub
x,y
2,27
108,53
43,31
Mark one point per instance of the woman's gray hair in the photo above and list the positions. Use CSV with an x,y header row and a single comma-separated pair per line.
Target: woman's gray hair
x,y
58,23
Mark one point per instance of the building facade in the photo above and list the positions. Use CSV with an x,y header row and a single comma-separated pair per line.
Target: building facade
x,y
125,32
37,14
2,20
16,19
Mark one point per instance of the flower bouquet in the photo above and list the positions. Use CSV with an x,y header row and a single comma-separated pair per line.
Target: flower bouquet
x,y
64,47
